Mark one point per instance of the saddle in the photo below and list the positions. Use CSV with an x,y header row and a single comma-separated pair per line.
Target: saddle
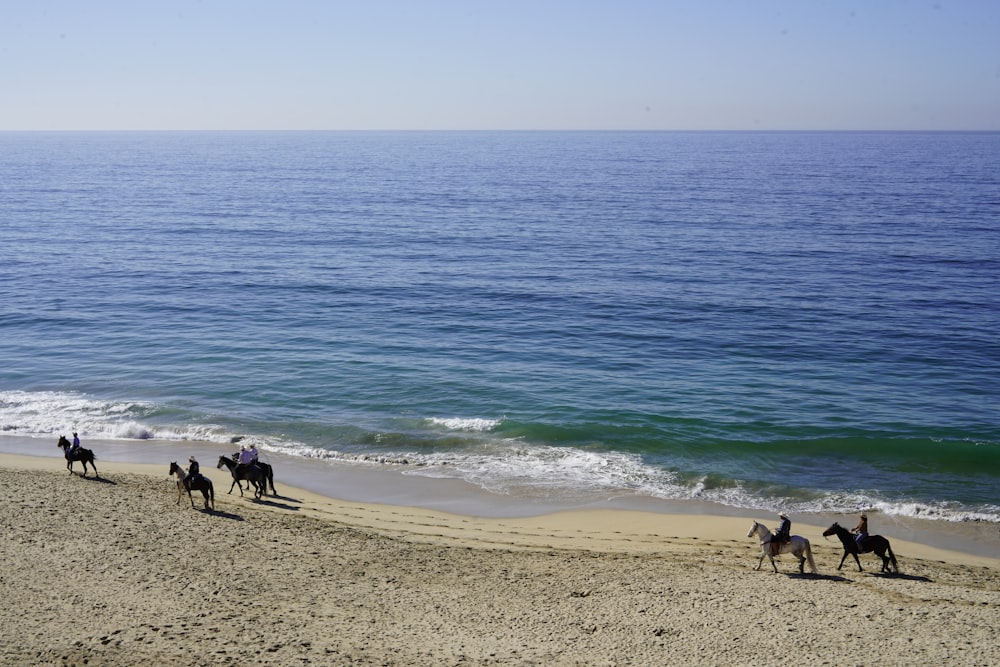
x,y
191,479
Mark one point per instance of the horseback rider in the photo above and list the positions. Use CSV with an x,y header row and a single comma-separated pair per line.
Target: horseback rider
x,y
192,473
782,534
76,443
246,456
861,530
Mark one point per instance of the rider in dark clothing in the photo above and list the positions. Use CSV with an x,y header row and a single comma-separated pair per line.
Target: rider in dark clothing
x,y
193,471
783,534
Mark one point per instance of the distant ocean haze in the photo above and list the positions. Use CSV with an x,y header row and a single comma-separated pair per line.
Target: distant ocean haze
x,y
798,321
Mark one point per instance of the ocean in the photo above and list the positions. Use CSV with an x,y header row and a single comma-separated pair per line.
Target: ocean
x,y
804,322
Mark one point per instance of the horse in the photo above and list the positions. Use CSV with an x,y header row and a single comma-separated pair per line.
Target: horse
x,y
875,543
268,472
796,545
242,471
79,454
196,482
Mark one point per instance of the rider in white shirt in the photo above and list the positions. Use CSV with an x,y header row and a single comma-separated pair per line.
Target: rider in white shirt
x,y
246,457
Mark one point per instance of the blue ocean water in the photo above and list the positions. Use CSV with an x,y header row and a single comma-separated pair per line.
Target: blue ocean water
x,y
803,321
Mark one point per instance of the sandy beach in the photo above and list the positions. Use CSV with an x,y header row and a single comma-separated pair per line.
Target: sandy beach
x,y
113,571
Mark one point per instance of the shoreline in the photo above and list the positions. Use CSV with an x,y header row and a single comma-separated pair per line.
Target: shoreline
x,y
331,488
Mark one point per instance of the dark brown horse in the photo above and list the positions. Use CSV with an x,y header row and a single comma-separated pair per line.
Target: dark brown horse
x,y
268,473
85,456
247,472
197,482
875,543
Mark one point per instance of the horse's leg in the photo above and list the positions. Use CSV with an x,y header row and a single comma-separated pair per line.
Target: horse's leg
x,y
857,560
235,482
760,561
885,559
772,563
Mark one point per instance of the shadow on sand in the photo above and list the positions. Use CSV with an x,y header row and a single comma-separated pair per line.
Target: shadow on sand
x,y
280,505
899,575
102,480
816,577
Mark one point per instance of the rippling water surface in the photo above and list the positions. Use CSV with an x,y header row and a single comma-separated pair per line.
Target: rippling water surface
x,y
796,321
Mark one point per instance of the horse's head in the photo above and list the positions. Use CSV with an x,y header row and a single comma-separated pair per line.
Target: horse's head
x,y
753,529
222,462
174,468
63,442
832,530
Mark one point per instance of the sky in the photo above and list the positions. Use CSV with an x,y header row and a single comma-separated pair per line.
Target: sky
x,y
499,65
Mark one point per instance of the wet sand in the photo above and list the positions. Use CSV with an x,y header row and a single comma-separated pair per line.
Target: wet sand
x,y
113,571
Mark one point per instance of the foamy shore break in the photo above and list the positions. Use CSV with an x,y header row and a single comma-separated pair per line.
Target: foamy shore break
x,y
112,570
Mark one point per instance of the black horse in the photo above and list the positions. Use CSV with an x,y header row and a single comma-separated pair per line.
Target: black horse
x,y
197,482
85,456
242,471
875,543
268,472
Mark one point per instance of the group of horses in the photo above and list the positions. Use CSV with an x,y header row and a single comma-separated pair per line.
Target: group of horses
x,y
258,475
799,547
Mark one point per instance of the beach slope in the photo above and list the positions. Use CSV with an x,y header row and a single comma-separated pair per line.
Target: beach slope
x,y
113,571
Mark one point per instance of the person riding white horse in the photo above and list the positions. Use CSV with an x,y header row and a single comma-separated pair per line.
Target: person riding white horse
x,y
782,535
770,547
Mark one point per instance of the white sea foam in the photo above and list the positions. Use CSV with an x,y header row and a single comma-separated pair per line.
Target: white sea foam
x,y
59,413
476,424
506,466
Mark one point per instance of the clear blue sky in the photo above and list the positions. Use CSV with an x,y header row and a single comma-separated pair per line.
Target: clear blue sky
x,y
503,64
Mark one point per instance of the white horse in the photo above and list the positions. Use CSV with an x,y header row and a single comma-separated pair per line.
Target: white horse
x,y
797,546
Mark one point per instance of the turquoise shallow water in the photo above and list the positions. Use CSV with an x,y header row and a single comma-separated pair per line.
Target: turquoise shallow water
x,y
777,321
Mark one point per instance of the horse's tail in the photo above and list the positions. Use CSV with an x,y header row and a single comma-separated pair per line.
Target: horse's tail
x,y
892,557
809,557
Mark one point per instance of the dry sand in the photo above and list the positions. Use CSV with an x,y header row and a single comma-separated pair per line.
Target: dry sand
x,y
112,571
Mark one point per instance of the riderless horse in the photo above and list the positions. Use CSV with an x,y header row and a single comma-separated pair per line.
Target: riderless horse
x,y
197,482
245,471
85,456
875,543
796,545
